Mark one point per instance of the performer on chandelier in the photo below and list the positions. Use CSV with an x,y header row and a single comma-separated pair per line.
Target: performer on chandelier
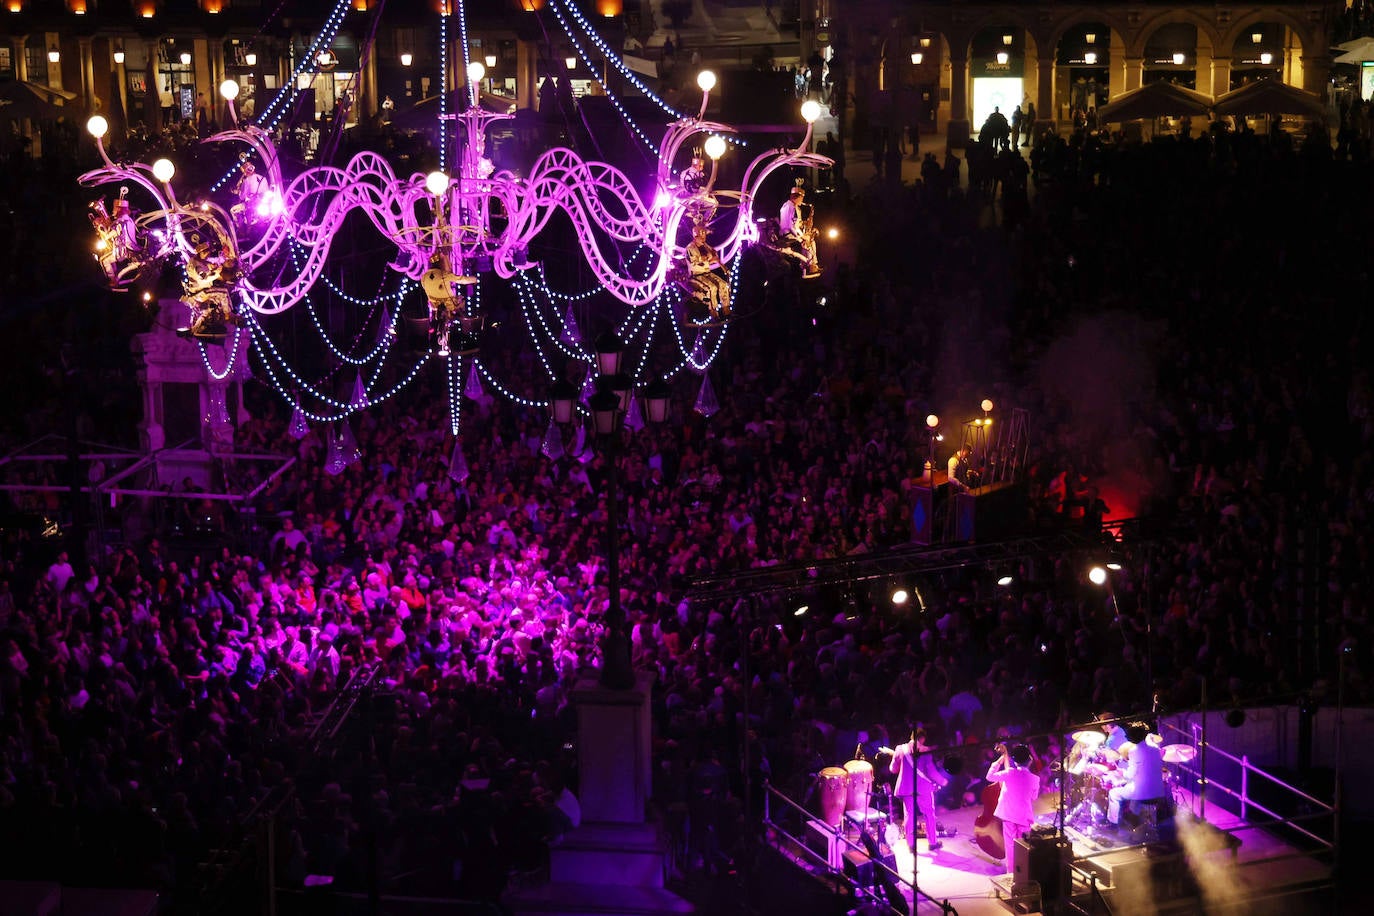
x,y
446,303
250,190
210,278
1144,776
708,287
917,780
117,246
1016,804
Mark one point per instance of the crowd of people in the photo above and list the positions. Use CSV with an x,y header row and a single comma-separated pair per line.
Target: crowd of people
x,y
1175,318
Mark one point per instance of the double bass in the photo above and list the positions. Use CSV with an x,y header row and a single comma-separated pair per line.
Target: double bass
x,y
987,827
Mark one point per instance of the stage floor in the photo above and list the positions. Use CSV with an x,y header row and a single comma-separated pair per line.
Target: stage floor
x,y
1263,866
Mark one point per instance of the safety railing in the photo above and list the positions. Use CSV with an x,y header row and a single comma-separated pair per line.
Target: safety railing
x,y
1197,770
798,819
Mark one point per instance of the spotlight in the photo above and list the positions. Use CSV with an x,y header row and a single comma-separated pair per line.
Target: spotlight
x,y
147,297
229,89
810,111
1097,575
476,70
436,183
715,146
97,126
163,170
706,80
832,233
801,610
900,596
1113,566
1006,580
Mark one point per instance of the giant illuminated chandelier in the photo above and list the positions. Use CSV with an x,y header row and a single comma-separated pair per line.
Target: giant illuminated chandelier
x,y
262,254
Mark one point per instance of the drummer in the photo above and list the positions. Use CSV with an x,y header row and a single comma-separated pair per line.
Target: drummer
x,y
1143,779
1116,735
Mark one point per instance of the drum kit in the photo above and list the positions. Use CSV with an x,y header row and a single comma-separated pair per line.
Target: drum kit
x,y
1092,769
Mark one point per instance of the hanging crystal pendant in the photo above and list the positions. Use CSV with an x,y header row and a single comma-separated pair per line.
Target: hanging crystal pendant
x,y
359,401
473,388
458,463
552,446
700,357
634,419
216,410
298,429
334,463
571,334
706,398
348,446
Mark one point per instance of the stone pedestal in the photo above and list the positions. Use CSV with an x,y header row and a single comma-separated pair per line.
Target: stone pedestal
x,y
614,861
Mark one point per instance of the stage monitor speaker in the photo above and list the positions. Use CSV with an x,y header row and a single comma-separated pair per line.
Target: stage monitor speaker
x,y
1044,859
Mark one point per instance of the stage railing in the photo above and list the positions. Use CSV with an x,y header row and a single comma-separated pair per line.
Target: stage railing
x,y
1197,736
775,831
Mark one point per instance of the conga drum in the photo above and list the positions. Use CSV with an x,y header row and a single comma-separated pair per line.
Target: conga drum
x,y
860,791
832,782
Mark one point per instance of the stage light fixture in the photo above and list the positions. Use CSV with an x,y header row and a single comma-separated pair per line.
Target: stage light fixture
x,y
900,596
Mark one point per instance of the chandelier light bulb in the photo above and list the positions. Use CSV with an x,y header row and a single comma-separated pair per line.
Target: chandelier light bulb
x,y
436,183
1097,575
163,170
97,126
932,420
715,146
476,70
229,89
810,111
986,405
706,80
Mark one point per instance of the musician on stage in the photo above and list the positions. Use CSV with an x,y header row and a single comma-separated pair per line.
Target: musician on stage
x,y
917,780
960,467
1144,776
1020,786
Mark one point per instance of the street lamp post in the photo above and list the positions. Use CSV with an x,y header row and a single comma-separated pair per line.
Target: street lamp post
x,y
608,407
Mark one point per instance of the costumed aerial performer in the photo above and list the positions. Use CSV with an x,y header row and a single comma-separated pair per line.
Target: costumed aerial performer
x,y
118,249
210,279
709,288
797,230
446,304
251,189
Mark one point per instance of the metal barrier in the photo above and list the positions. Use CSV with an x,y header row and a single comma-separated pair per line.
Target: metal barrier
x,y
1198,738
775,830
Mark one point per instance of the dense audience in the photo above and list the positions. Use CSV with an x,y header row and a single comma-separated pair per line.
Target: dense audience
x,y
1176,320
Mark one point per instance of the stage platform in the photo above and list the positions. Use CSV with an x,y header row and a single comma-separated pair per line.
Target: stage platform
x,y
1220,865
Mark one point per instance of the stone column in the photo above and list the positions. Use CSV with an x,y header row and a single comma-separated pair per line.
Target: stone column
x,y
1221,76
1135,73
526,74
1316,74
1046,116
83,45
957,130
1116,75
21,61
369,105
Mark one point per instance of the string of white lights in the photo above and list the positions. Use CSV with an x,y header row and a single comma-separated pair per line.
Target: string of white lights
x,y
467,57
504,391
587,62
229,365
443,87
455,395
